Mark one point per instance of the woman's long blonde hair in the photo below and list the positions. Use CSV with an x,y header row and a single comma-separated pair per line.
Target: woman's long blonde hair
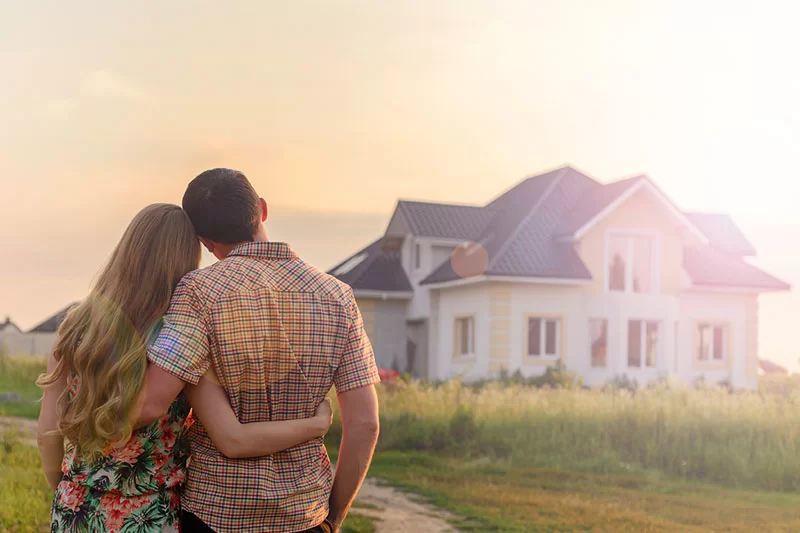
x,y
103,341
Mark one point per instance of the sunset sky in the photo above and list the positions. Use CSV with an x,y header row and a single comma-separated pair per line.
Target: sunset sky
x,y
336,108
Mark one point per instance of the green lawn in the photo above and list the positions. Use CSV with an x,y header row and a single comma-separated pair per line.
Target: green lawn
x,y
493,497
18,375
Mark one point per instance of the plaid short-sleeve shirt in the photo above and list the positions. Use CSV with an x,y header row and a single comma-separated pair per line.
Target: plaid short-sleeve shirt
x,y
278,333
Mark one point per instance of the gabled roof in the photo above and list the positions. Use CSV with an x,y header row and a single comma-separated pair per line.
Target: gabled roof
x,y
446,221
723,233
708,267
768,367
373,269
518,239
600,201
51,324
8,324
529,232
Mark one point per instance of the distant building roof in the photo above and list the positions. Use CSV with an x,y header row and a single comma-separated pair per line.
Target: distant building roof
x,y
768,367
8,324
51,324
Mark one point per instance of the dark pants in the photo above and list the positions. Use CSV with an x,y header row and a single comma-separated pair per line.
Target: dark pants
x,y
190,523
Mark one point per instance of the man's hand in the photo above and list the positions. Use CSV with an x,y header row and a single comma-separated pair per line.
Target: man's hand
x,y
360,428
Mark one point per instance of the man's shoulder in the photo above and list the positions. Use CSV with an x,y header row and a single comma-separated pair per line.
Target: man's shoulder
x,y
321,283
295,276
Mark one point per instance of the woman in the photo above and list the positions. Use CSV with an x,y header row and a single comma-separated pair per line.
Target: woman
x,y
113,477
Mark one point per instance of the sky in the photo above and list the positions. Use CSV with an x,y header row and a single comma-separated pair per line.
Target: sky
x,y
337,108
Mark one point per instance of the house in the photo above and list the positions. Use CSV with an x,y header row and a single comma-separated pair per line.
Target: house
x,y
11,337
41,339
611,279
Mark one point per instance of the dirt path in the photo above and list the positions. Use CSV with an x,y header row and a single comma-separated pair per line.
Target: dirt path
x,y
398,512
25,427
395,511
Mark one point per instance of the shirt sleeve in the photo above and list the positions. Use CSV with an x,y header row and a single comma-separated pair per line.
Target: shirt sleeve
x,y
357,367
182,345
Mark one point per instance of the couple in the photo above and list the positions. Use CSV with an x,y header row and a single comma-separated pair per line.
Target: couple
x,y
179,399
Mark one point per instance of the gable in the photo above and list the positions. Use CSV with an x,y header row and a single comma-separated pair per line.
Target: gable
x,y
398,224
642,212
623,191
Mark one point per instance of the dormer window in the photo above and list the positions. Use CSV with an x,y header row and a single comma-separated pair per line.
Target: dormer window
x,y
630,263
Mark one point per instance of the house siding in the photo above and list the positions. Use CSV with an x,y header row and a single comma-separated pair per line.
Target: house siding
x,y
639,212
732,310
499,328
385,324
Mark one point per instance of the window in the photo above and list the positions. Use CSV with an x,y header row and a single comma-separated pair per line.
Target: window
x,y
417,256
543,337
465,336
630,263
711,343
643,343
598,337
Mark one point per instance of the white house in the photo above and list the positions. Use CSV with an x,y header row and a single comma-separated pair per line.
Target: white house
x,y
38,342
611,279
11,337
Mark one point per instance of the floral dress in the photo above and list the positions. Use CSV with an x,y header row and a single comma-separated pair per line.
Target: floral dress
x,y
133,488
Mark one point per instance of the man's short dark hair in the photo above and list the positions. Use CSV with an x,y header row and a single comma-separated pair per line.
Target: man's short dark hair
x,y
223,206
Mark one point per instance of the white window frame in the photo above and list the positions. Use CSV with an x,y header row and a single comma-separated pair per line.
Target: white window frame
x,y
655,260
470,321
643,344
416,260
543,320
591,355
711,325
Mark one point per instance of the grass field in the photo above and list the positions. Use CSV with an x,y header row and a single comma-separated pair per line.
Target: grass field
x,y
505,457
495,496
18,375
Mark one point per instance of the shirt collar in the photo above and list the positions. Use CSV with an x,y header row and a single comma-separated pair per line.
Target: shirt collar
x,y
267,250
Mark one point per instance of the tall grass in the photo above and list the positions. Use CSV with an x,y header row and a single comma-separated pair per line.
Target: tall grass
x,y
18,375
747,439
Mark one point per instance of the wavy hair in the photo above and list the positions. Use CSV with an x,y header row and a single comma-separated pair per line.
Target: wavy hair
x,y
103,341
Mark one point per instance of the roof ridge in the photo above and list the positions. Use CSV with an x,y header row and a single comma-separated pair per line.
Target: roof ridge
x,y
444,204
502,250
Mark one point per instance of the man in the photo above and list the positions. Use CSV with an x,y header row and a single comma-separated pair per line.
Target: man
x,y
278,333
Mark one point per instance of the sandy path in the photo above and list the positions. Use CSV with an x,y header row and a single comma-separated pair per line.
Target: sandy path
x,y
398,512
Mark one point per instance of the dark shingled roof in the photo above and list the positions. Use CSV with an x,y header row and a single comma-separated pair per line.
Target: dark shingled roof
x,y
771,368
723,233
713,268
445,220
594,200
519,239
523,233
373,269
51,324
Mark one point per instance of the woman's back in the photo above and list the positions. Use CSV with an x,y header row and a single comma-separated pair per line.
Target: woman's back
x,y
132,484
